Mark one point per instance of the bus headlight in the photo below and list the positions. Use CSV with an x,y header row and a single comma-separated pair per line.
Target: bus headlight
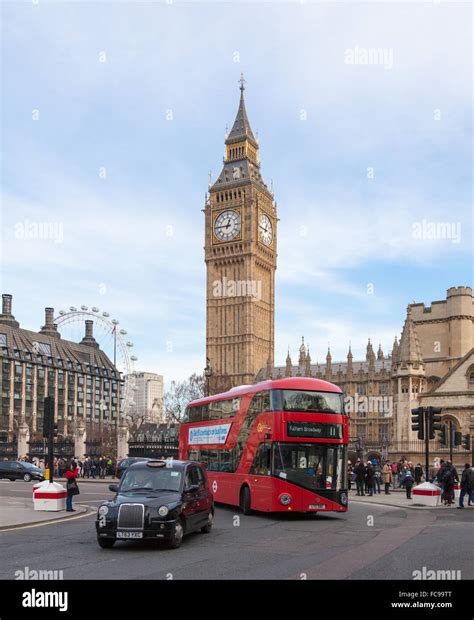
x,y
163,511
285,499
103,510
343,498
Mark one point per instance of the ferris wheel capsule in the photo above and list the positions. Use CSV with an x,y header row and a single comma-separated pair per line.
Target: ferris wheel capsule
x,y
95,309
129,344
73,308
123,332
61,312
115,322
85,308
134,358
106,314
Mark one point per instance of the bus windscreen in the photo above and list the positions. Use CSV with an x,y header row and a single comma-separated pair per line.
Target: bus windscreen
x,y
303,400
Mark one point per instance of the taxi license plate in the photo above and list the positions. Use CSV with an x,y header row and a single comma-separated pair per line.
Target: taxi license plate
x,y
129,534
316,507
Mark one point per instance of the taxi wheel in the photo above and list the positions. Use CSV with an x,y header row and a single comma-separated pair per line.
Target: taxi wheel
x,y
245,501
176,536
207,528
106,543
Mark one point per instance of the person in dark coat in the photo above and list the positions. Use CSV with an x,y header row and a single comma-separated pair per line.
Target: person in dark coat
x,y
467,478
448,476
418,473
360,477
370,478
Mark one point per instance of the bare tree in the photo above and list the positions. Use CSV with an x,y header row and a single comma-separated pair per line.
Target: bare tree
x,y
179,394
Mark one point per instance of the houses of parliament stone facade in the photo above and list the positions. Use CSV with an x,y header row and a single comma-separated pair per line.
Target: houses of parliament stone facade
x,y
431,364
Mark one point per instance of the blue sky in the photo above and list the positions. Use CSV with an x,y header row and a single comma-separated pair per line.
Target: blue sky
x,y
132,242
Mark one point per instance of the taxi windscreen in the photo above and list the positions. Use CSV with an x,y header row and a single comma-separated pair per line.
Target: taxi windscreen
x,y
163,479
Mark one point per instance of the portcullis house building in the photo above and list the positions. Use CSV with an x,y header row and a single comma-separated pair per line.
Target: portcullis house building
x,y
84,383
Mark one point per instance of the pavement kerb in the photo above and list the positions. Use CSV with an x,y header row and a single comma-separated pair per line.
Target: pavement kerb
x,y
80,508
402,506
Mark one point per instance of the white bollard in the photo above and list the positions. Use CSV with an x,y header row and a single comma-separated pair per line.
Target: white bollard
x,y
426,494
49,496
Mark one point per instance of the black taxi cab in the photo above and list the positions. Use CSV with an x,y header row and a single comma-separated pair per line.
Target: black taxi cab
x,y
157,499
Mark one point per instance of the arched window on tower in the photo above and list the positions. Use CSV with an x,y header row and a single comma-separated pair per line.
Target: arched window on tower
x,y
470,377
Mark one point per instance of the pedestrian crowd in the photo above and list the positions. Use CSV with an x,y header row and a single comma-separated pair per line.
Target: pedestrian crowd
x,y
89,467
369,476
97,467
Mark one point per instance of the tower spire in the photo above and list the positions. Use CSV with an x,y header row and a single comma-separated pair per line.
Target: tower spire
x,y
241,128
242,87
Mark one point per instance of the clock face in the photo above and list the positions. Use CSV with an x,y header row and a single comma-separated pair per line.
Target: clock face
x,y
227,225
265,230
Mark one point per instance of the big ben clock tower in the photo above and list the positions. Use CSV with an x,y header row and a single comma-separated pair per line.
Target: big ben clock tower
x,y
240,256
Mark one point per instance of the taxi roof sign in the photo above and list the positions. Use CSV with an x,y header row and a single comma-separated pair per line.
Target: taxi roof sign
x,y
156,463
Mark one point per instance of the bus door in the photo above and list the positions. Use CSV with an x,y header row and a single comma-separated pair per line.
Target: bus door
x,y
261,479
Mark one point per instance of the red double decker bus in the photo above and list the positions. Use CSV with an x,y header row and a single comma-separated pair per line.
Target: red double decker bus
x,y
274,446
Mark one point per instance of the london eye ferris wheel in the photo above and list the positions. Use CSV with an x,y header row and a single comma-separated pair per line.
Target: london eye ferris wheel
x,y
111,340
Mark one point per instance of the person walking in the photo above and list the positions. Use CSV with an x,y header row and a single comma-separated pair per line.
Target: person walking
x,y
418,473
360,477
349,475
465,485
408,480
387,477
71,485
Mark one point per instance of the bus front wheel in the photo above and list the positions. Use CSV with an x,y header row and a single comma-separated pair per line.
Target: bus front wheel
x,y
245,500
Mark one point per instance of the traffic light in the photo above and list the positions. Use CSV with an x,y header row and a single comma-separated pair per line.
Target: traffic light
x,y
434,421
466,441
417,422
55,430
457,438
48,416
443,435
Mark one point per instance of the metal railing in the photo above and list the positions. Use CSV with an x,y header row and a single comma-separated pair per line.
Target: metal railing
x,y
153,449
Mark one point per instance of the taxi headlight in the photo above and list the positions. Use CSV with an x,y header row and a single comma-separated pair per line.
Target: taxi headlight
x,y
103,510
343,499
163,511
285,499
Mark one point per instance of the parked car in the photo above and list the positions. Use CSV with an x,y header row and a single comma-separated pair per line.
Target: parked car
x,y
157,499
124,463
20,470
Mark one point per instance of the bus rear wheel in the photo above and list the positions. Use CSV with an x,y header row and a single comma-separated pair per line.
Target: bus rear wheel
x,y
245,500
